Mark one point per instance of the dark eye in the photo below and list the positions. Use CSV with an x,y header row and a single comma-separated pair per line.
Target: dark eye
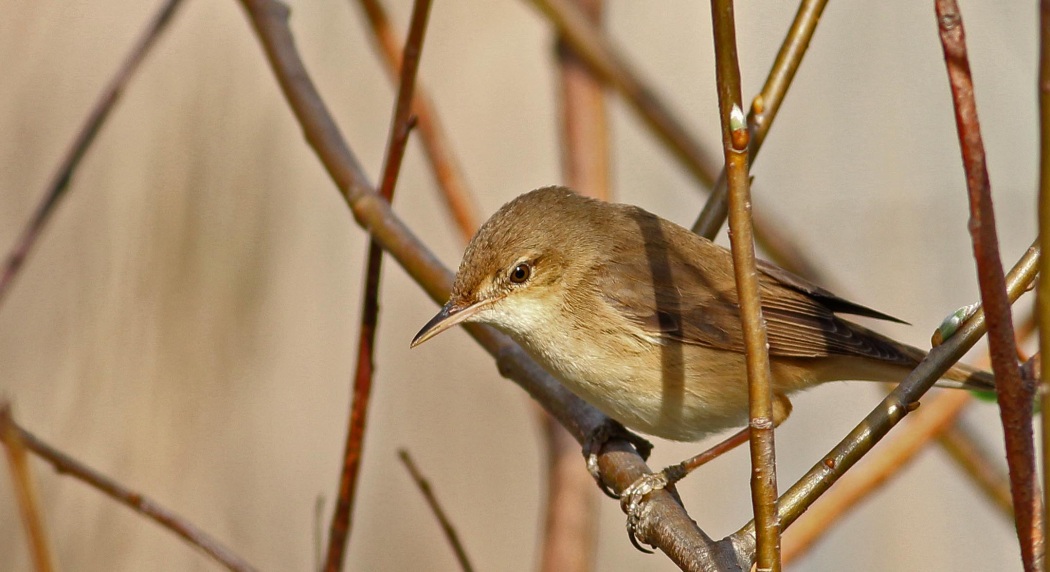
x,y
520,273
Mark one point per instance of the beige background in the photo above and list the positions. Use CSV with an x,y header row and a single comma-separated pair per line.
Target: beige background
x,y
186,324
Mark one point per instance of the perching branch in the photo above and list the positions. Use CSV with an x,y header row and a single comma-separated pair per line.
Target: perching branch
x,y
735,141
56,189
400,126
1015,403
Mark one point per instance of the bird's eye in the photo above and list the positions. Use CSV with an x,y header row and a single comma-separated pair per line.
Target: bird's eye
x,y
520,273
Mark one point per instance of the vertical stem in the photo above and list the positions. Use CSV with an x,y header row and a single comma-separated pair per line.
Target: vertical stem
x,y
765,107
1015,401
735,140
400,126
1044,240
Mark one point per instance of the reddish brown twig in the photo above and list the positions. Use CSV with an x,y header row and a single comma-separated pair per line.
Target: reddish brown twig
x,y
400,126
136,501
620,465
85,137
25,491
439,513
735,142
1015,402
443,162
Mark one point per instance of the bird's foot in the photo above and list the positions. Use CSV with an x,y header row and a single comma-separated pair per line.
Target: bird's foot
x,y
634,498
592,447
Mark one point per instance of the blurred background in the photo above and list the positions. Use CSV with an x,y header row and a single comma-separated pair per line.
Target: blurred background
x,y
188,321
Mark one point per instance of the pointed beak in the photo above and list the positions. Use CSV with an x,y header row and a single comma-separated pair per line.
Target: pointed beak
x,y
449,316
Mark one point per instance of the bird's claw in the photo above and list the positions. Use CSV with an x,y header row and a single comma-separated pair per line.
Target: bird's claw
x,y
633,502
592,447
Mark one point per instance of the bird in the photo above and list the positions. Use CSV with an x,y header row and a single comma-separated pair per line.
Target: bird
x,y
639,316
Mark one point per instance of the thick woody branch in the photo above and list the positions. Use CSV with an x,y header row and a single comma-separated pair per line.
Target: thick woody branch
x,y
686,546
735,139
1015,401
63,175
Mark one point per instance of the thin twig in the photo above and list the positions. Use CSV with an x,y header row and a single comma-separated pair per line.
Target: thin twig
x,y
703,164
891,410
735,141
136,501
1015,404
25,491
453,184
869,475
85,137
1044,239
439,513
764,110
400,126
671,529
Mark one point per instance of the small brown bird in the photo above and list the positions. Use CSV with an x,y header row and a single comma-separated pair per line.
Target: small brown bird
x,y
639,316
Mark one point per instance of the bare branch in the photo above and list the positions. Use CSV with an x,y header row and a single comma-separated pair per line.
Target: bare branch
x,y
400,126
25,491
136,501
891,410
439,513
85,137
453,184
735,142
1015,403
1044,239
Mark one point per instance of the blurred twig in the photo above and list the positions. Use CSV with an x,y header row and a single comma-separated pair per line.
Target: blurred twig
x,y
400,126
439,513
1015,403
570,525
735,142
64,173
672,530
973,459
138,502
870,474
25,491
453,184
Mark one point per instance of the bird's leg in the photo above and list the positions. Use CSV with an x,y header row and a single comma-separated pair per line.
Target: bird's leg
x,y
632,500
592,447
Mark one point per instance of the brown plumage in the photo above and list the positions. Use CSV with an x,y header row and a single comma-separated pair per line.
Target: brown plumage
x,y
639,316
